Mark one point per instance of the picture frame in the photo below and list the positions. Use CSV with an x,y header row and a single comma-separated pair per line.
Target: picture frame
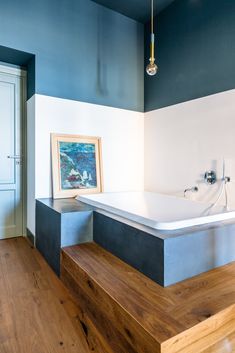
x,y
76,165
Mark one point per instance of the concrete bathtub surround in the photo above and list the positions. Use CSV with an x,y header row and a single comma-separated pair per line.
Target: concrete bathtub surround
x,y
165,257
61,223
146,231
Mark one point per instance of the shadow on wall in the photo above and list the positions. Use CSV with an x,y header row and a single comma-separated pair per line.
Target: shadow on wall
x,y
102,57
119,59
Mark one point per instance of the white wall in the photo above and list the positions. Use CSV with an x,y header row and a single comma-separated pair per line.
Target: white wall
x,y
185,140
122,134
31,164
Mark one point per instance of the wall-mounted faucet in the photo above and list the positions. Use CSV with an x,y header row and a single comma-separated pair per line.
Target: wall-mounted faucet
x,y
210,177
227,179
193,189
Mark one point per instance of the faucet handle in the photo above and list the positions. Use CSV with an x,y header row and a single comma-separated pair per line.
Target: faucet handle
x,y
210,177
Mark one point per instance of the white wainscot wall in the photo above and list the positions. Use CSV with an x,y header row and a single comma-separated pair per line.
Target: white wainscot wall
x,y
185,140
122,134
31,165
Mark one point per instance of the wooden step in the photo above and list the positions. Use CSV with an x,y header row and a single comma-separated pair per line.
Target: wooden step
x,y
135,315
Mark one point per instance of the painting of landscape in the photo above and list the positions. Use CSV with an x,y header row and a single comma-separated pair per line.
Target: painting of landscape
x,y
77,165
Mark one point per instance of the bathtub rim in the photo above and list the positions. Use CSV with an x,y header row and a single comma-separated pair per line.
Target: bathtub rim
x,y
165,226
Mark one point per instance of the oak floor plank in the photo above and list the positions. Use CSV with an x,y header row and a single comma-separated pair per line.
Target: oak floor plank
x,y
37,313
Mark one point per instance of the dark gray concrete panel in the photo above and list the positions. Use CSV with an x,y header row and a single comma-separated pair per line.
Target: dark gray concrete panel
x,y
61,223
140,250
48,230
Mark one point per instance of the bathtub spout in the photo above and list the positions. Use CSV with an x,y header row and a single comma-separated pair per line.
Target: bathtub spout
x,y
193,189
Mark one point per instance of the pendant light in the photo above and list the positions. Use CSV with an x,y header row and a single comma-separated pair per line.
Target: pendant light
x,y
152,68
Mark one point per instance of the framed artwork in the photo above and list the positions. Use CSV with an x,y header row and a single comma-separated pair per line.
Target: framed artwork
x,y
76,165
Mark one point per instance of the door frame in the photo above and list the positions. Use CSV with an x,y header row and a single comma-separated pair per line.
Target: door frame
x,y
22,73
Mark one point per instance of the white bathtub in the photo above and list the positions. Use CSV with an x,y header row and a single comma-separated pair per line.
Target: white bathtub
x,y
158,211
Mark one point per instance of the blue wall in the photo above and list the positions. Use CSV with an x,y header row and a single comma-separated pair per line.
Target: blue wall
x,y
195,52
82,50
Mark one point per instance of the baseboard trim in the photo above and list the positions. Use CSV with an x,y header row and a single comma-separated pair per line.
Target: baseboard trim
x,y
30,236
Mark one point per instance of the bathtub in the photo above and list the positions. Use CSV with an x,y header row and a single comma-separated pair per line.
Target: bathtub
x,y
158,211
168,239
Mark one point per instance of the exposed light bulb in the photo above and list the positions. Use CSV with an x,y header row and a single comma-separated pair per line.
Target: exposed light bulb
x,y
152,68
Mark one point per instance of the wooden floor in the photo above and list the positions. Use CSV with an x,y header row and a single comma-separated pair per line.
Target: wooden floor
x,y
143,317
37,314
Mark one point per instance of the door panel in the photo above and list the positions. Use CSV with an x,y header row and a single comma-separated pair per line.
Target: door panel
x,y
7,207
7,132
10,146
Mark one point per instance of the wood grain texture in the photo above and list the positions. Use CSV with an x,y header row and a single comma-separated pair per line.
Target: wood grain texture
x,y
37,313
187,317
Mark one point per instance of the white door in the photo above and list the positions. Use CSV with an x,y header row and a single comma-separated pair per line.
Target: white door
x,y
11,195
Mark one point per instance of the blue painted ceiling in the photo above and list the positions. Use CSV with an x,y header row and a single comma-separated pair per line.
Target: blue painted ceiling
x,y
137,9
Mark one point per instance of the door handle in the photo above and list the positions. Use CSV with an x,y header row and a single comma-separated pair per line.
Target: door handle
x,y
17,158
14,157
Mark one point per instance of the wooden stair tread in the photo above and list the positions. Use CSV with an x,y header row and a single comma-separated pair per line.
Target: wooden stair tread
x,y
165,313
